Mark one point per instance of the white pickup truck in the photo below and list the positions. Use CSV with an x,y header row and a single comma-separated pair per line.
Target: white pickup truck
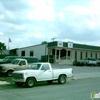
x,y
41,72
16,64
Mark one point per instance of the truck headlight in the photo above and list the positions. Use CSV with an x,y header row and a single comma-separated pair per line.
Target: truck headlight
x,y
21,75
26,73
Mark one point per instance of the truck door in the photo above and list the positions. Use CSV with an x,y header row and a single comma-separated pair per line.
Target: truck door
x,y
22,65
45,73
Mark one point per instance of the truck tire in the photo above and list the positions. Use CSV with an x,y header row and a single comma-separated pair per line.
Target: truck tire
x,y
62,79
30,82
9,73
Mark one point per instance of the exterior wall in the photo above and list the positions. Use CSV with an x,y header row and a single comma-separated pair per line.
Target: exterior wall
x,y
4,52
38,50
73,54
78,54
81,53
98,54
84,53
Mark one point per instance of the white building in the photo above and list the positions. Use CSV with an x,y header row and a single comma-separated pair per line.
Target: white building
x,y
58,51
37,50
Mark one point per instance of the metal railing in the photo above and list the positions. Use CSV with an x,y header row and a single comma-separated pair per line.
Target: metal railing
x,y
64,58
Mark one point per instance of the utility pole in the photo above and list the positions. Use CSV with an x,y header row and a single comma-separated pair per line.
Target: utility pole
x,y
53,39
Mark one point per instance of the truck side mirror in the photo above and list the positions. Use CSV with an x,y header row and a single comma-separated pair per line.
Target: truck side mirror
x,y
43,69
20,64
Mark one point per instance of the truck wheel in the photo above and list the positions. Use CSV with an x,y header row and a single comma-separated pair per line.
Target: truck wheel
x,y
9,73
62,79
30,82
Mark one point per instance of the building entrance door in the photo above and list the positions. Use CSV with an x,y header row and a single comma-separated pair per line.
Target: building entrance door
x,y
63,54
69,54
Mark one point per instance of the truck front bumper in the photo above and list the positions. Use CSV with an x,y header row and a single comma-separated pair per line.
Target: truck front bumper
x,y
18,77
2,72
18,80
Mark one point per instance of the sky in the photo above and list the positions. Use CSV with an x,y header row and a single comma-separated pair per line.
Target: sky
x,y
30,22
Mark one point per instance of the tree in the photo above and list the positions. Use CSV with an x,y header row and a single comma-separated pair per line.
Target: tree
x,y
44,42
2,46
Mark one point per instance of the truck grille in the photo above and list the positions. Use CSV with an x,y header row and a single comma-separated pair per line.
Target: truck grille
x,y
17,76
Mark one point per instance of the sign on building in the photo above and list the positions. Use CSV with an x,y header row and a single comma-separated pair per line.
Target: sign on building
x,y
70,44
60,44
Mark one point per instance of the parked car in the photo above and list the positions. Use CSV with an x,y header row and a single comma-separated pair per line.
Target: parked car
x,y
30,59
78,62
90,61
41,72
98,61
8,59
16,64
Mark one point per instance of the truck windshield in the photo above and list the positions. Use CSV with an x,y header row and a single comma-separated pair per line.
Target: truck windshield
x,y
15,62
35,66
6,58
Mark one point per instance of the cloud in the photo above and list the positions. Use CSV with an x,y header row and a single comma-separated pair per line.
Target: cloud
x,y
35,35
61,16
14,12
19,27
1,33
78,9
42,10
29,22
26,22
13,5
94,7
79,23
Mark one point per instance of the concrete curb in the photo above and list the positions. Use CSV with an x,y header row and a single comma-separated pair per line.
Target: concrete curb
x,y
4,83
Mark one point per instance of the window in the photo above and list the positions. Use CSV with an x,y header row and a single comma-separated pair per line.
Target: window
x,y
96,55
23,53
35,66
75,54
86,55
69,53
45,67
91,54
15,62
31,53
81,55
22,63
6,58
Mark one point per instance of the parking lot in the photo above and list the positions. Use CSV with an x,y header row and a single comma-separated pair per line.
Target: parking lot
x,y
82,71
85,81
